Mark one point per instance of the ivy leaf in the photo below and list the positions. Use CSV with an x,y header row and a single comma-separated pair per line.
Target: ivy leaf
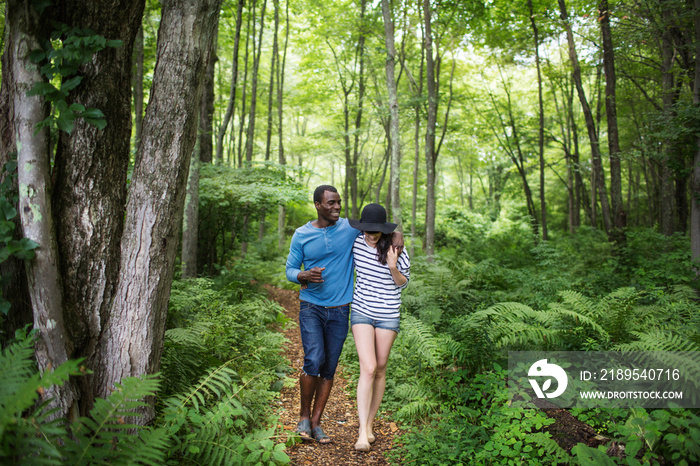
x,y
41,89
72,83
9,211
37,56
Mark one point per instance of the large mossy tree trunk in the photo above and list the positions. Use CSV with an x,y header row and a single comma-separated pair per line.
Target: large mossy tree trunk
x,y
89,173
132,340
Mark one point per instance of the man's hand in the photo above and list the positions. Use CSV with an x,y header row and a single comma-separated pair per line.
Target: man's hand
x,y
397,241
312,275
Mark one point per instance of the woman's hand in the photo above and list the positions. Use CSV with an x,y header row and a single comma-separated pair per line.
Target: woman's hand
x,y
392,256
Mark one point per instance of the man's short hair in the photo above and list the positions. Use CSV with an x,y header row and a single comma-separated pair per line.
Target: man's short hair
x,y
318,193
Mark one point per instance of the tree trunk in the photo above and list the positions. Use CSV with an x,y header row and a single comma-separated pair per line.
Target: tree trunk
x,y
250,134
282,214
611,113
695,188
89,178
132,339
540,134
54,345
241,127
14,277
416,154
430,135
273,64
666,208
206,108
590,123
138,86
358,115
190,221
231,106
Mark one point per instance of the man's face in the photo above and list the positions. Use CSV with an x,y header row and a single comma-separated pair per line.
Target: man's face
x,y
329,207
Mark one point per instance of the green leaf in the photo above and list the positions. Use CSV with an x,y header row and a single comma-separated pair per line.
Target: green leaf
x,y
41,89
72,83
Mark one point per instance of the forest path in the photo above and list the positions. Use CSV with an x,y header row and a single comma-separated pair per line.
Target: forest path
x,y
340,416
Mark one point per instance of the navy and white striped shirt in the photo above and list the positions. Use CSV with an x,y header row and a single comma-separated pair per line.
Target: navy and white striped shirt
x,y
376,295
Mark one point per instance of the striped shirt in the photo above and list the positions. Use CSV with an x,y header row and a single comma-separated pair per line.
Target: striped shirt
x,y
376,295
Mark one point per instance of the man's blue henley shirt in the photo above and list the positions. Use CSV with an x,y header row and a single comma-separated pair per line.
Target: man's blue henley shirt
x,y
329,247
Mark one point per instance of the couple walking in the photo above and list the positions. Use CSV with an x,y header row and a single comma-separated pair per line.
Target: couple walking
x,y
330,248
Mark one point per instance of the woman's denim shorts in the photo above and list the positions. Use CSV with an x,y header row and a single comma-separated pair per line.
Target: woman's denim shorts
x,y
390,324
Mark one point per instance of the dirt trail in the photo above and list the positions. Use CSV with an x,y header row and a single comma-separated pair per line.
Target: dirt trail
x,y
340,416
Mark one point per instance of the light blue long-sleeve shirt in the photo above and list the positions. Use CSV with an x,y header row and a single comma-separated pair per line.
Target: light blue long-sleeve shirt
x,y
329,247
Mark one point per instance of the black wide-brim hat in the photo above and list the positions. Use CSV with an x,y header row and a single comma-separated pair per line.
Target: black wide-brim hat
x,y
373,219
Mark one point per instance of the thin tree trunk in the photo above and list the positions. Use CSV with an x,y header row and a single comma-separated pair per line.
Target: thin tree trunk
x,y
590,123
190,223
390,67
281,214
430,135
352,170
231,106
241,126
616,202
54,346
250,136
695,187
133,336
273,64
540,134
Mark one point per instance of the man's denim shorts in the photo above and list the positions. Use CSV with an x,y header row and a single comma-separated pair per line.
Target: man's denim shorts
x,y
391,324
323,332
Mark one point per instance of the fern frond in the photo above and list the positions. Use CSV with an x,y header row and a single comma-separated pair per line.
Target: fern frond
x,y
107,433
658,340
421,338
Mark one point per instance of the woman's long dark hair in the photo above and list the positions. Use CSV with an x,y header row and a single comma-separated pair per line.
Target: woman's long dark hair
x,y
383,245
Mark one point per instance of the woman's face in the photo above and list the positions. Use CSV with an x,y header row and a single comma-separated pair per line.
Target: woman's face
x,y
372,236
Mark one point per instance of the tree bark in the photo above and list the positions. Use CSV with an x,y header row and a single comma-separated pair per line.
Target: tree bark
x,y
138,86
590,123
132,339
540,134
231,106
281,214
250,134
390,67
695,187
14,287
190,221
430,134
611,114
27,29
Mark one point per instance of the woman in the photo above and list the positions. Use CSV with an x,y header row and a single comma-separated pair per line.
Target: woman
x,y
382,272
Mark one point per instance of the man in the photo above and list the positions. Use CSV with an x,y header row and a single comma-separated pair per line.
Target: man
x,y
324,248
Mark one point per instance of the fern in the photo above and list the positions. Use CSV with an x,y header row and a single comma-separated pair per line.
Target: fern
x,y
418,402
26,433
107,435
422,341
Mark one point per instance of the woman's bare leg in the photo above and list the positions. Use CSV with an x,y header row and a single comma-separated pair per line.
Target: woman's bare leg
x,y
383,341
364,336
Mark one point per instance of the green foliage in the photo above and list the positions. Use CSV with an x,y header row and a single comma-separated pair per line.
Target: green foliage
x,y
661,436
29,434
481,427
227,339
232,200
22,248
60,60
